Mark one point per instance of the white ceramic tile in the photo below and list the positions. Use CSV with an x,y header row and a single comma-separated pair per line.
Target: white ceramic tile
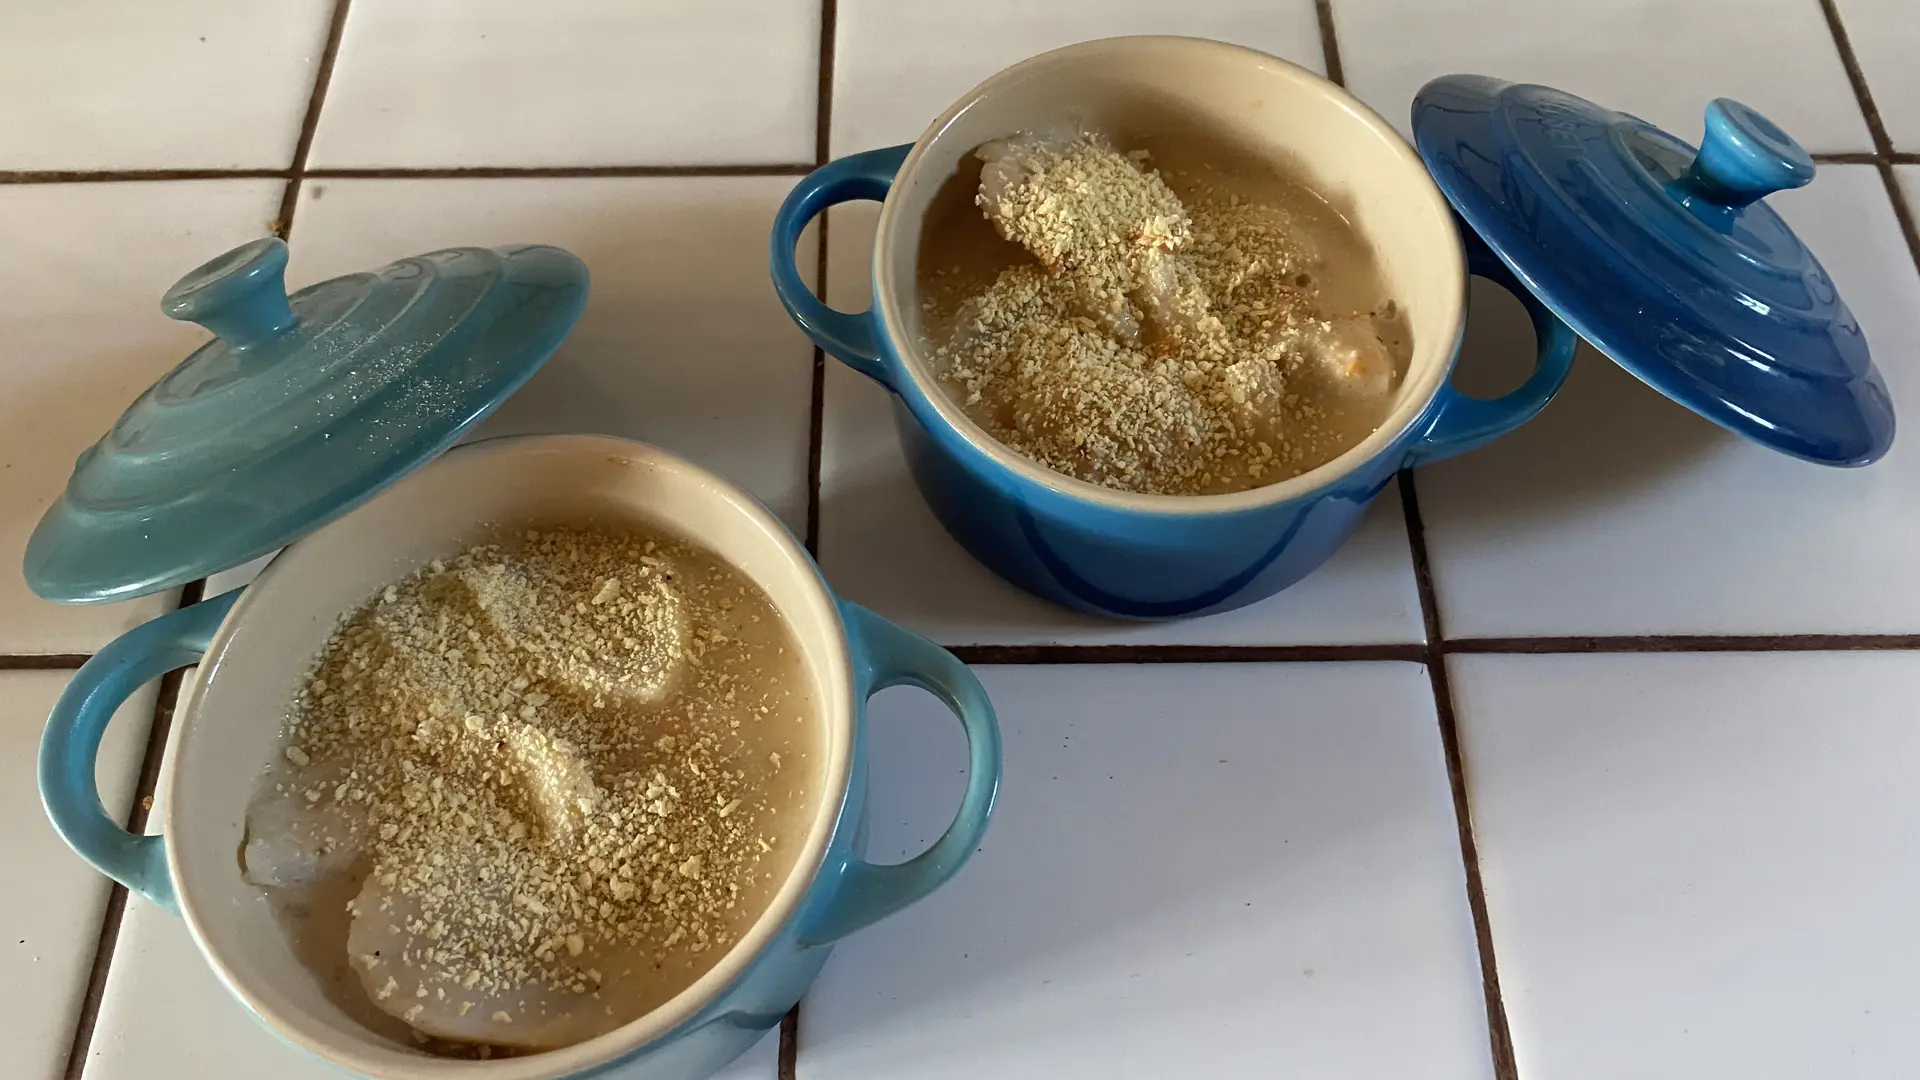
x,y
163,1004
51,906
576,82
1700,865
760,1063
164,1014
882,547
683,344
1657,59
228,580
82,267
206,84
1909,179
898,65
1246,871
1619,512
1886,37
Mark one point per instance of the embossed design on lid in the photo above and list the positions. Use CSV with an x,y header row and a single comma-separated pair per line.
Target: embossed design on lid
x,y
1665,257
301,408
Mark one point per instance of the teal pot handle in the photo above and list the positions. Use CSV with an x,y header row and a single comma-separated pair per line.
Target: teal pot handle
x,y
71,744
885,655
857,176
1461,423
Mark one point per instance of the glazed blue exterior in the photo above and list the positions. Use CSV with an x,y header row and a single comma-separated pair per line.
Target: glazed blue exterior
x,y
299,410
1665,257
1119,562
847,893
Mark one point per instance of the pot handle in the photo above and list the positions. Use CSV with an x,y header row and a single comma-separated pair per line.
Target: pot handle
x,y
887,655
857,176
71,744
1463,423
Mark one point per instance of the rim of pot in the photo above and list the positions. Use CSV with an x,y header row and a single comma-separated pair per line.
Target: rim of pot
x,y
374,1057
1421,383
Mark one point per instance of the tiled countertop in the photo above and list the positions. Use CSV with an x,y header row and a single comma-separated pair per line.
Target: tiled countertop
x,y
1590,756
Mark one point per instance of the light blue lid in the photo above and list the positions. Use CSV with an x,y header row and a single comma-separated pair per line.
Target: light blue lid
x,y
1665,257
302,408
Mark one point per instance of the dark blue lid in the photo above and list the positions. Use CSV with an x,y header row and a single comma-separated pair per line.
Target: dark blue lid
x,y
1664,257
301,408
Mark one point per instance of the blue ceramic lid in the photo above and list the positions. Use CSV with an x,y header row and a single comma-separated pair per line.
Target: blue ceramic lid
x,y
1664,257
300,409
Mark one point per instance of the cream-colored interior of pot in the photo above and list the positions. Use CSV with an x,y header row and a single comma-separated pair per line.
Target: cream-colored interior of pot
x,y
1259,106
231,729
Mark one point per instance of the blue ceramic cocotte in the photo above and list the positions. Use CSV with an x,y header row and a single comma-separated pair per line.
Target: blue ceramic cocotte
x,y
306,423
838,896
1791,371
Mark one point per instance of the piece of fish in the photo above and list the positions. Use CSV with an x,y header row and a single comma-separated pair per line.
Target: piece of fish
x,y
393,952
294,840
1119,286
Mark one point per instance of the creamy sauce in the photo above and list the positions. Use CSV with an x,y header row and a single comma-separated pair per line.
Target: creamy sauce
x,y
960,254
747,693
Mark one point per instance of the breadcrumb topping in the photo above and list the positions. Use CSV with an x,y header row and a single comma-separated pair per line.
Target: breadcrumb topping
x,y
1153,344
476,740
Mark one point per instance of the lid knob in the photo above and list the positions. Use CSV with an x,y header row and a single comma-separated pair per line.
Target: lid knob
x,y
1745,157
240,296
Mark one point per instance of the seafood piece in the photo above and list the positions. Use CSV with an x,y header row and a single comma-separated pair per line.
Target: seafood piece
x,y
1348,354
1088,212
594,651
1170,296
449,996
313,831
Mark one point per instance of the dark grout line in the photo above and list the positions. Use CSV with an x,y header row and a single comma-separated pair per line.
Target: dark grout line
x,y
1876,128
823,110
1846,159
96,980
474,172
494,172
282,223
789,1059
1067,655
1499,1033
1014,655
303,144
43,662
817,400
1687,643
1330,43
1902,212
117,897
789,1044
322,78
138,175
816,424
1422,566
1884,154
298,171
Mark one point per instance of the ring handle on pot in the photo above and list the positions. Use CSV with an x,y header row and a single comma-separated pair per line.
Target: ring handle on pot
x,y
857,176
71,744
1463,423
887,655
